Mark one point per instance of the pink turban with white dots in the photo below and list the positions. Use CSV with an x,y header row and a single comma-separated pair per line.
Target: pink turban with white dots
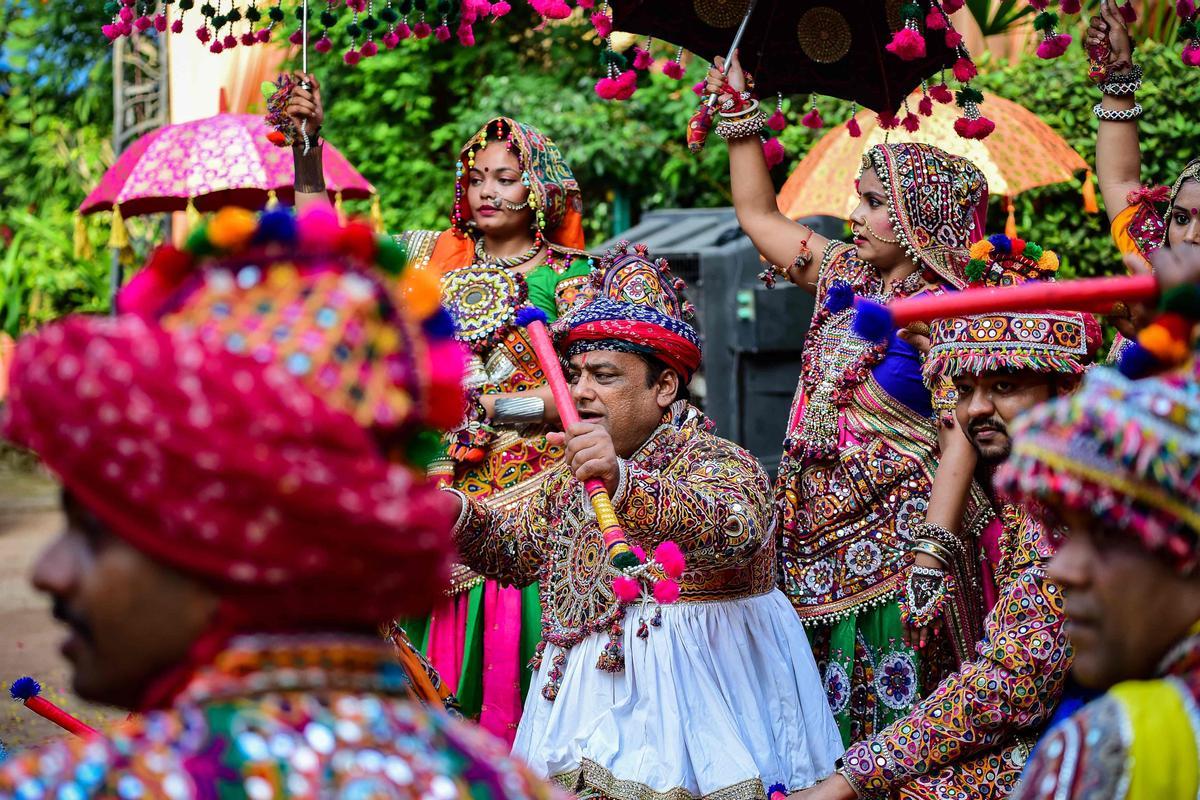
x,y
228,470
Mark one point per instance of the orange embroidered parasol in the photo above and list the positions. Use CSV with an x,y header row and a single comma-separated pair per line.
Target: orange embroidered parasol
x,y
1023,153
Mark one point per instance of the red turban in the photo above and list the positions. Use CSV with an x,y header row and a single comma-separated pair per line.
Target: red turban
x,y
229,471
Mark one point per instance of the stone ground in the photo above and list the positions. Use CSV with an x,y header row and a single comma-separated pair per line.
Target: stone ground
x,y
29,636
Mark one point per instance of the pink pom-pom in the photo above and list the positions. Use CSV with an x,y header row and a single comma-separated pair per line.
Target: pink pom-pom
x,y
666,592
674,71
626,589
422,30
698,88
586,4
812,119
925,107
324,44
317,228
230,41
974,128
853,127
442,32
964,70
907,44
953,39
950,6
626,84
1054,46
177,25
1191,56
555,9
369,48
403,31
606,88
638,551
911,123
297,37
934,21
216,47
142,23
1185,8
642,59
500,9
248,38
447,362
390,39
203,34
670,558
1039,5
125,27
264,35
777,121
125,14
888,121
160,22
941,93
602,23
1070,6
466,35
773,152
111,31
351,57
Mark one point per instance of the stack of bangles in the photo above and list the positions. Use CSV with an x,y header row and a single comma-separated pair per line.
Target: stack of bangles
x,y
740,116
1123,85
927,589
936,541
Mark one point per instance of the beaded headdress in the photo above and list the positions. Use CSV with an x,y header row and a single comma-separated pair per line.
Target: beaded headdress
x,y
636,306
937,203
1042,341
307,294
554,193
1126,452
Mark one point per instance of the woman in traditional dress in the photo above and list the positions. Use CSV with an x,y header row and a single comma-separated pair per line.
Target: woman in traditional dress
x,y
516,236
856,484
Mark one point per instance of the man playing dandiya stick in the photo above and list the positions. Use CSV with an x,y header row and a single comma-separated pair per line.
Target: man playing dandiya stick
x,y
972,736
234,539
714,695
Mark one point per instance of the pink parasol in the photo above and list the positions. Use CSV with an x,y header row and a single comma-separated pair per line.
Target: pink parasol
x,y
210,163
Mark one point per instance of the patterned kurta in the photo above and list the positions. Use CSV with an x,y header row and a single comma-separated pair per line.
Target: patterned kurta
x,y
1140,741
970,738
275,716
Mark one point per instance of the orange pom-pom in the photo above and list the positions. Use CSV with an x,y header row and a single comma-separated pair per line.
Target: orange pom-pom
x,y
1165,344
420,292
231,228
357,239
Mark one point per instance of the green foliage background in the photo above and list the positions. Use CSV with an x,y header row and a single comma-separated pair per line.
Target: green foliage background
x,y
401,116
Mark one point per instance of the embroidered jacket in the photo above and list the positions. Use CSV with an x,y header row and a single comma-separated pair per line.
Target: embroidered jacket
x,y
971,737
282,716
1140,741
705,493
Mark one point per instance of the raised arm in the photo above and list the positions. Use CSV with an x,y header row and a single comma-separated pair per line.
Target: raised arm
x,y
1118,153
507,546
305,108
779,239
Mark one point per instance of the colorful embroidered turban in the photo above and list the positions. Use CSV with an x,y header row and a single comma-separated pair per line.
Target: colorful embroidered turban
x,y
304,293
1044,341
637,306
229,470
937,203
1126,452
553,191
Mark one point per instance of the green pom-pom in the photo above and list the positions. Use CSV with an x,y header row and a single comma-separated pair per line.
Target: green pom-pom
x,y
371,23
354,30
197,242
389,15
625,560
328,19
207,10
1033,251
111,8
392,255
424,448
187,5
406,7
1182,300
233,15
275,13
1188,30
1045,21
253,14
910,11
975,268
301,11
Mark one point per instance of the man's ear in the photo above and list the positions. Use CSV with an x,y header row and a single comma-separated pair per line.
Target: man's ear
x,y
1067,384
666,388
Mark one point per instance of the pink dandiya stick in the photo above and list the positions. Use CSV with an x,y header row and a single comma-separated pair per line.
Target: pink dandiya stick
x,y
1094,295
28,691
534,321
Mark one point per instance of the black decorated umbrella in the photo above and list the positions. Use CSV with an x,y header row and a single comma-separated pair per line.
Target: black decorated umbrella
x,y
831,47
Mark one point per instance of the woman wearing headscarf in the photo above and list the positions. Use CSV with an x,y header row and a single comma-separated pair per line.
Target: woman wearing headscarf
x,y
856,484
515,237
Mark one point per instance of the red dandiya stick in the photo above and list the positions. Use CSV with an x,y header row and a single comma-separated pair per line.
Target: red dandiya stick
x,y
28,691
534,321
1094,295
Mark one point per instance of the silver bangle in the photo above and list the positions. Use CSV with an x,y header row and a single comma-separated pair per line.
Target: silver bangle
x,y
519,410
741,128
747,110
1124,84
1124,115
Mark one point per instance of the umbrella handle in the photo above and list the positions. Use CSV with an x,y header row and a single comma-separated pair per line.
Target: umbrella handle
x,y
701,122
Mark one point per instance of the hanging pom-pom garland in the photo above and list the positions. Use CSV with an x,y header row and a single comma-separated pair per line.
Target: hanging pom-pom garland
x,y
1053,43
773,151
810,120
972,125
941,93
777,122
925,106
674,68
907,43
888,120
1189,32
911,122
852,126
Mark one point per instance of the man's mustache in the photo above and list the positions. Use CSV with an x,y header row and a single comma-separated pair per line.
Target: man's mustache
x,y
68,617
978,426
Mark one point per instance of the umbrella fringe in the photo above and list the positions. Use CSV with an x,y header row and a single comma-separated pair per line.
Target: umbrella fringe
x,y
83,244
377,214
339,208
193,216
118,237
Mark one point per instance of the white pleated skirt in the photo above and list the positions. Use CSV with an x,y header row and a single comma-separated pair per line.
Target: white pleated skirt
x,y
722,701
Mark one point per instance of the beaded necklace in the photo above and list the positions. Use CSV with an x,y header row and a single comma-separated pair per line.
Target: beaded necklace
x,y
482,256
838,361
